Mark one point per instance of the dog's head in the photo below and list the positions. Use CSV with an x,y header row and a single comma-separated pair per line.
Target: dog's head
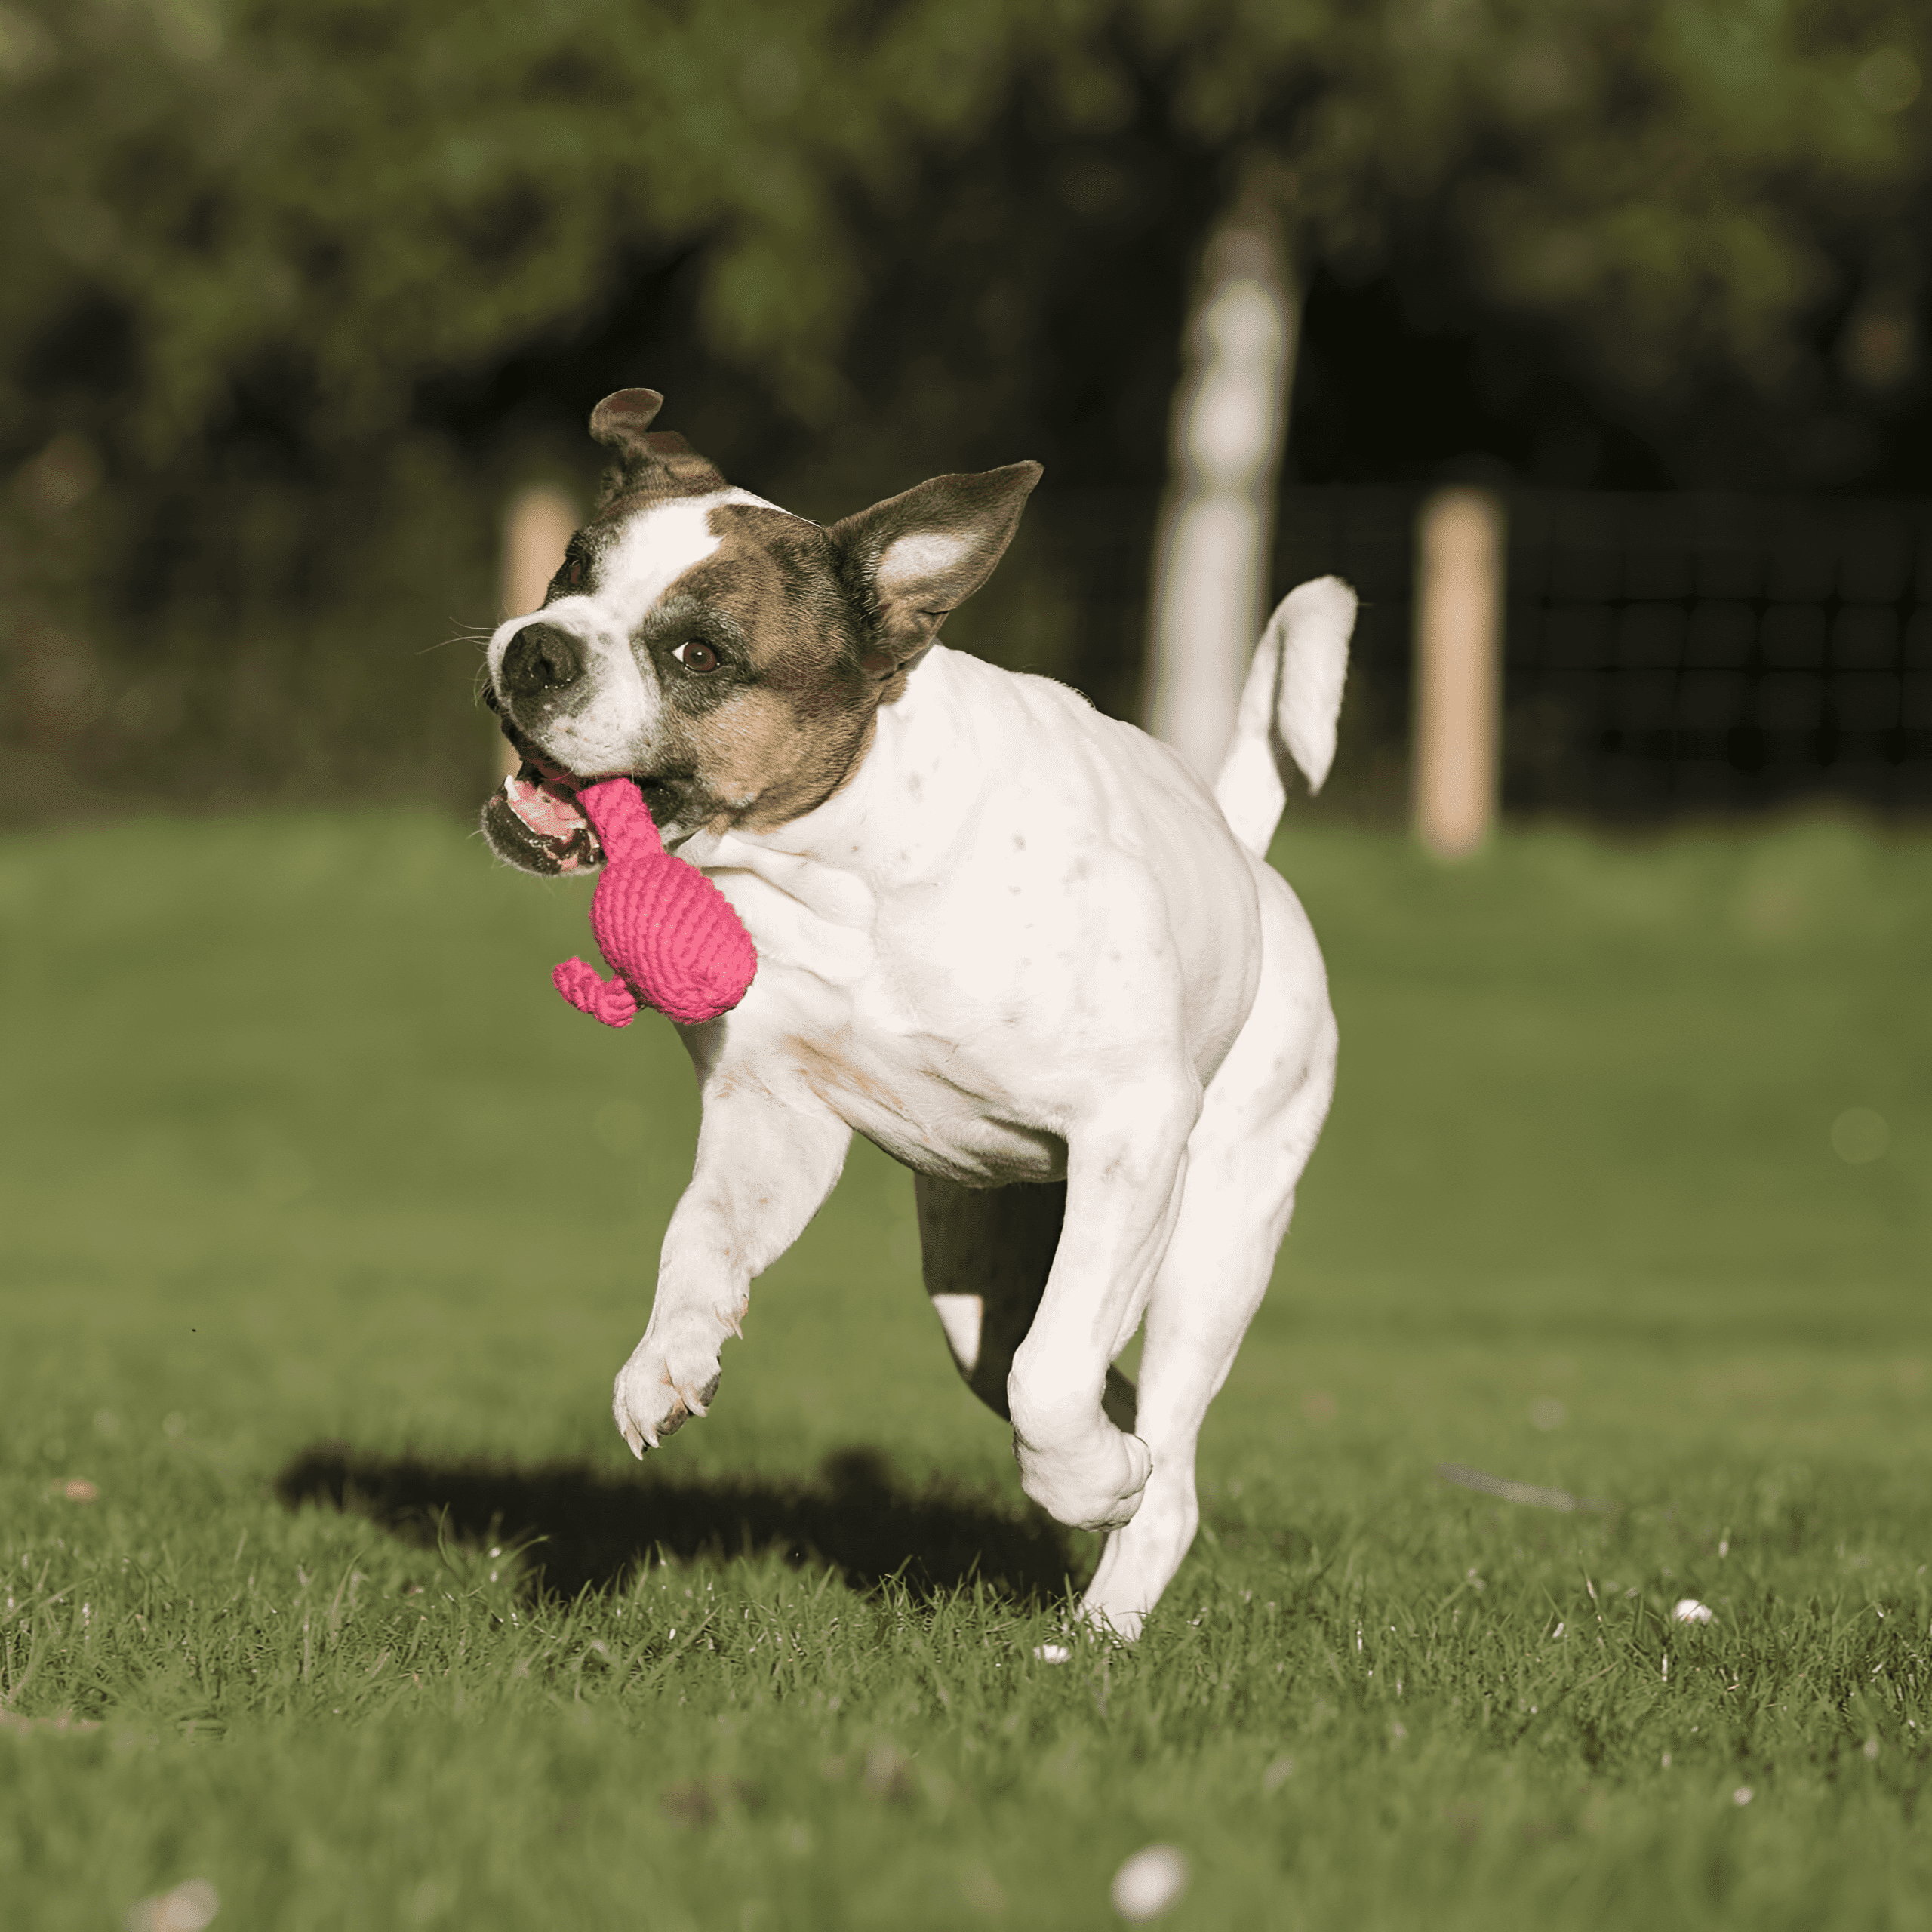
x,y
728,656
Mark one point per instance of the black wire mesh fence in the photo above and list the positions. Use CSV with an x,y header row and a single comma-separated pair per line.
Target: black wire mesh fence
x,y
1661,654
1666,654
1693,653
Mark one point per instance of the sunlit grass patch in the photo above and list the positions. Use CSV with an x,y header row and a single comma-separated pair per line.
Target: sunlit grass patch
x,y
324,1580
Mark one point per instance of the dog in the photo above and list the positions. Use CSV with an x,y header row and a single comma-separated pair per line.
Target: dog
x,y
1017,944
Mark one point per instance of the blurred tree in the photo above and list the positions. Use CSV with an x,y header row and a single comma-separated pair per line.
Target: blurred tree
x,y
1663,183
312,226
311,207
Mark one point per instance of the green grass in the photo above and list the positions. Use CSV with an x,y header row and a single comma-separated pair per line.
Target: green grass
x,y
326,1225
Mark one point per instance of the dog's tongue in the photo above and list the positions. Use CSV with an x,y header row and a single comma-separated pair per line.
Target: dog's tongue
x,y
549,808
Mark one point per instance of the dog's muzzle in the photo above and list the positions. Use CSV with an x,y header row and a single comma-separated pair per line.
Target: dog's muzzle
x,y
534,820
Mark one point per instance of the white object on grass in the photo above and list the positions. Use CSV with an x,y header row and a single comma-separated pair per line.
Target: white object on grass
x,y
189,1908
1688,1610
1149,1882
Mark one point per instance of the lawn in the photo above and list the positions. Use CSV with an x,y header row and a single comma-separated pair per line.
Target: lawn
x,y
327,1581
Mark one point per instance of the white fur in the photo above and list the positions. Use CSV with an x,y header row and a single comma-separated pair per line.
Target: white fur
x,y
917,559
1293,688
1021,944
961,1316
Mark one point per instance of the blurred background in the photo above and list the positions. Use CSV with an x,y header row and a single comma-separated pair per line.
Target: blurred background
x,y
300,294
1586,337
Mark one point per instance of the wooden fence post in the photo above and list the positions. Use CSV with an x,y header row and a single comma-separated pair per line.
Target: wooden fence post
x,y
1459,562
537,526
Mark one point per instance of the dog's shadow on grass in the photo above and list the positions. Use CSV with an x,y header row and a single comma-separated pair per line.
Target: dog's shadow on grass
x,y
584,1527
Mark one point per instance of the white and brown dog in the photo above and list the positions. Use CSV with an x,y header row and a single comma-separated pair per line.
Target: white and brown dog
x,y
1016,944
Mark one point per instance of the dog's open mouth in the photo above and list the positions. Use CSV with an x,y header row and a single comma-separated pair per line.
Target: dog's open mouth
x,y
535,814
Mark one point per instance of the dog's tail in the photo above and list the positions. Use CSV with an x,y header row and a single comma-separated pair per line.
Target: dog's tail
x,y
1288,708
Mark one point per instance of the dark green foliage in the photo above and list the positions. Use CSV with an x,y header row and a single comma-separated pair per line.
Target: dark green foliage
x,y
298,291
303,210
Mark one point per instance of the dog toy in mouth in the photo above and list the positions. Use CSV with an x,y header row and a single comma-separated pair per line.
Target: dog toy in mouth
x,y
669,935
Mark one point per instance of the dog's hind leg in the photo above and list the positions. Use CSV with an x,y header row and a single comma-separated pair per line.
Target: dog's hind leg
x,y
1245,1159
986,1252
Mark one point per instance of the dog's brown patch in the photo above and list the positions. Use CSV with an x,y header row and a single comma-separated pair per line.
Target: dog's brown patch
x,y
794,722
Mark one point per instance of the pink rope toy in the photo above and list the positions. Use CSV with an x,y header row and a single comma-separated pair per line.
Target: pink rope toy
x,y
670,935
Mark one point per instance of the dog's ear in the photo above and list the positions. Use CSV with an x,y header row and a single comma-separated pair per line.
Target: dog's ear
x,y
913,558
620,422
646,457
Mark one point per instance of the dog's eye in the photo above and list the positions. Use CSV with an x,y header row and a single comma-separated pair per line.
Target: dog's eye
x,y
696,655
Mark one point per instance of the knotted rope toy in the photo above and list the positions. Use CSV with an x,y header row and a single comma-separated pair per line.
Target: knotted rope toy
x,y
669,935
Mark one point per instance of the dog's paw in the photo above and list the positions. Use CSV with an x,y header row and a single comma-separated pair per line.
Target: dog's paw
x,y
1094,1485
655,1394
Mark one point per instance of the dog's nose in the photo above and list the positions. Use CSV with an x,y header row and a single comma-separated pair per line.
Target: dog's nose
x,y
540,658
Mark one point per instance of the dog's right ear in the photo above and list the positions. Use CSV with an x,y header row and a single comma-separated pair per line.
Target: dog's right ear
x,y
912,559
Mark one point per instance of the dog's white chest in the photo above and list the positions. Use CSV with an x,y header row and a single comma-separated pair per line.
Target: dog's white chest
x,y
851,1004
1013,912
804,918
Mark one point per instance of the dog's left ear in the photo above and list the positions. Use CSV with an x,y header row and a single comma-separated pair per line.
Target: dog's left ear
x,y
914,558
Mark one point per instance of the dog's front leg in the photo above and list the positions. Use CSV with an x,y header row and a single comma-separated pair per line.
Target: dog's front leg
x,y
1124,1179
763,1167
